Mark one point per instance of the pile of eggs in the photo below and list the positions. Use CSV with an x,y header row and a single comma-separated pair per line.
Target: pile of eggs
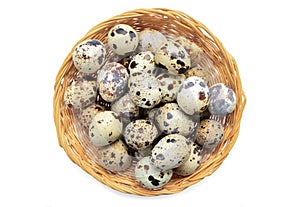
x,y
144,101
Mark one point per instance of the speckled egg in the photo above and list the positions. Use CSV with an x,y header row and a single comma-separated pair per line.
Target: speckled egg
x,y
114,157
209,133
80,93
193,95
194,51
169,84
139,134
125,107
123,39
149,176
142,62
112,81
105,128
200,72
192,163
144,90
89,56
172,120
222,99
174,57
150,40
170,152
86,116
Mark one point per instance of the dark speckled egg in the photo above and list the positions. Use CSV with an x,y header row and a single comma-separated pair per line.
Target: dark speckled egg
x,y
112,81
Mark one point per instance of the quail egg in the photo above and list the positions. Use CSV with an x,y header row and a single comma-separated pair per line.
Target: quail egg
x,y
150,40
194,51
142,62
169,84
193,95
123,39
192,163
172,120
139,134
209,133
80,93
170,152
89,56
149,176
144,90
114,157
105,128
86,116
222,99
125,107
173,57
200,72
112,81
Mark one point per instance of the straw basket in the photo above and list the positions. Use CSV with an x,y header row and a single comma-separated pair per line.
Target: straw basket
x,y
170,23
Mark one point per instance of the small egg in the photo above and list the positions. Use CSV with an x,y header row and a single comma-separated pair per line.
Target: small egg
x,y
86,116
112,81
171,120
105,128
174,57
200,72
114,157
222,99
192,163
194,51
144,90
149,176
142,62
193,95
80,93
209,133
122,39
125,107
139,134
150,40
89,56
170,152
169,84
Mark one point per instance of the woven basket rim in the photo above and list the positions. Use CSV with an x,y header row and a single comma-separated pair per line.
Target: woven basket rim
x,y
66,132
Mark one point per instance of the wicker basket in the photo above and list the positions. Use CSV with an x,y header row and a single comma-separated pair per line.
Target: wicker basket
x,y
168,22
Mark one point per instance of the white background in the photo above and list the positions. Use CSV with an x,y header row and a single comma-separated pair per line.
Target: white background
x,y
261,170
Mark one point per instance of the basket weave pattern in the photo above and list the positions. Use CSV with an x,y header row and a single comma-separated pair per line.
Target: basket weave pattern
x,y
170,23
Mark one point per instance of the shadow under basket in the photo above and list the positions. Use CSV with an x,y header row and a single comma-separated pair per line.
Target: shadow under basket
x,y
170,23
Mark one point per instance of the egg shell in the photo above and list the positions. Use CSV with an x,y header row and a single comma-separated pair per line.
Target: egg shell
x,y
194,51
149,176
125,107
169,84
86,116
89,56
192,163
170,152
139,134
171,119
123,39
150,40
105,128
193,95
114,157
200,72
209,133
142,62
222,99
80,93
174,57
112,81
144,90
